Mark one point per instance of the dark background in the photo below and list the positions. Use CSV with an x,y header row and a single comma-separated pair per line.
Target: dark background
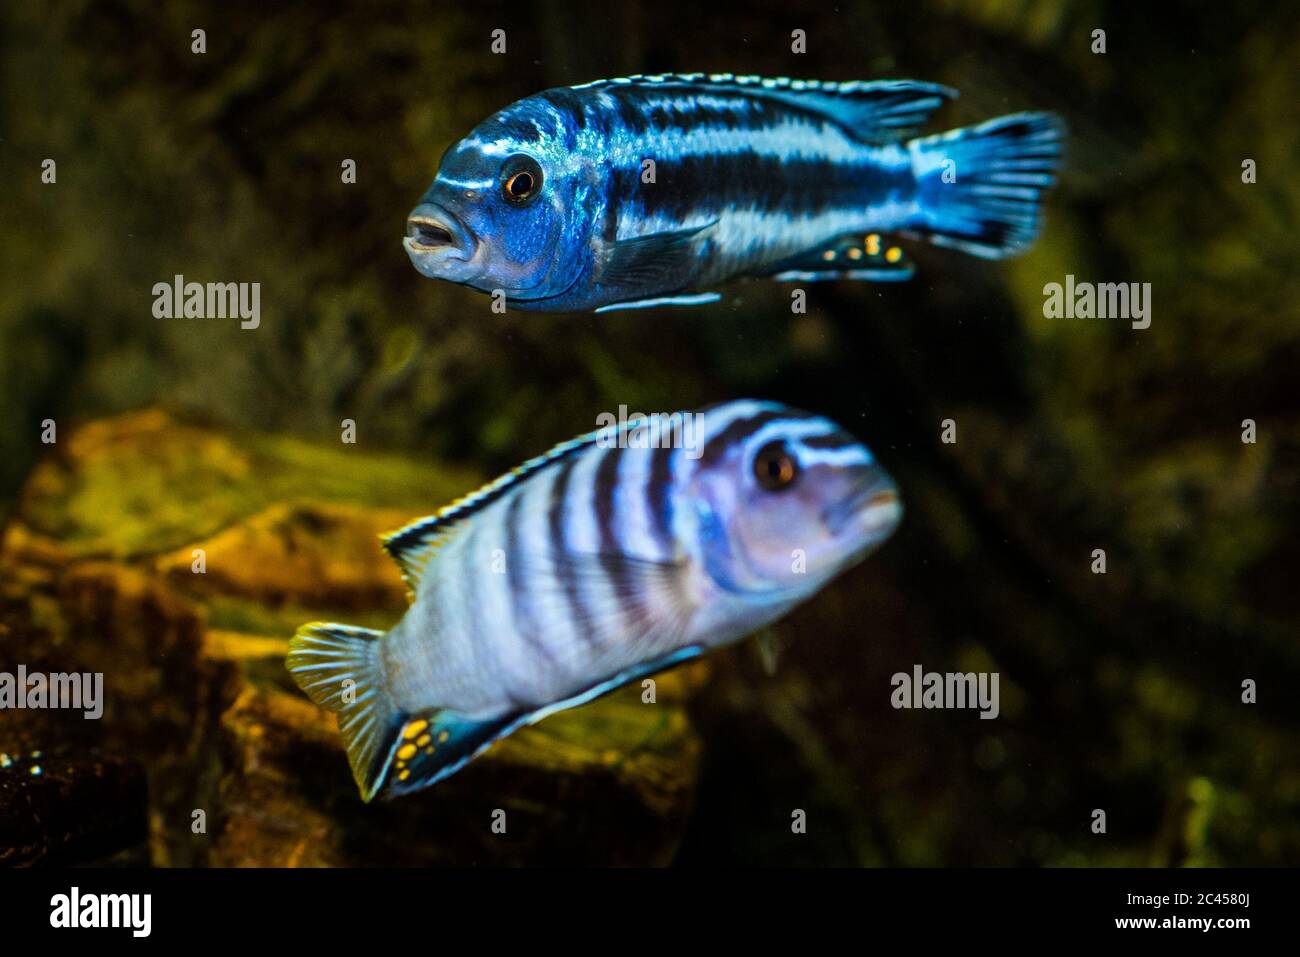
x,y
1119,692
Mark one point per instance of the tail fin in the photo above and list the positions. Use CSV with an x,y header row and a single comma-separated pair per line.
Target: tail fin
x,y
979,188
338,666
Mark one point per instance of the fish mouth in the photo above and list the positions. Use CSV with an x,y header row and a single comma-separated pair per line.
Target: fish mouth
x,y
874,510
435,234
427,234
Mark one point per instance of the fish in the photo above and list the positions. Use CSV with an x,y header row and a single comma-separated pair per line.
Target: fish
x,y
651,190
613,556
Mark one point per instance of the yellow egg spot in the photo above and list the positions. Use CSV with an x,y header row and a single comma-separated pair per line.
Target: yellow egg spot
x,y
429,750
404,775
442,736
855,253
406,752
873,245
424,739
828,255
414,729
894,254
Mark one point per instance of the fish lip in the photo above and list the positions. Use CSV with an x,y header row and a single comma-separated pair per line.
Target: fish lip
x,y
884,496
874,508
434,231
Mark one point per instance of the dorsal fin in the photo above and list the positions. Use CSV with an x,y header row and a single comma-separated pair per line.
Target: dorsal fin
x,y
413,545
874,110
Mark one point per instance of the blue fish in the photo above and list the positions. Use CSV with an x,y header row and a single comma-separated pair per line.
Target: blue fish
x,y
609,558
647,190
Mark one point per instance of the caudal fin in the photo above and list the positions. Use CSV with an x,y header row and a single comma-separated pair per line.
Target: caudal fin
x,y
980,187
338,666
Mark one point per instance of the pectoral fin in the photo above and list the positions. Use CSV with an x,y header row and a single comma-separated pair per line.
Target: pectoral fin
x,y
658,261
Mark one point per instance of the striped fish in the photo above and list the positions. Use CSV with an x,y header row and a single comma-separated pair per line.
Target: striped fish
x,y
609,558
647,189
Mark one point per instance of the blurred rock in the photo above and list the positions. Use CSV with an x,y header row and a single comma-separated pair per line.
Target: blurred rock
x,y
628,767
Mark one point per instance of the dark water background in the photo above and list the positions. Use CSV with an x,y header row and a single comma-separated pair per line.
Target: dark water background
x,y
1119,691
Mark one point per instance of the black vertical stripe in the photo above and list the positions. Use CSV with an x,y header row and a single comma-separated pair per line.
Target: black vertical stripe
x,y
559,549
521,611
604,490
659,503
658,494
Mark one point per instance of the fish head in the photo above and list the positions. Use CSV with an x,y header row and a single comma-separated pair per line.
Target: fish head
x,y
787,500
509,209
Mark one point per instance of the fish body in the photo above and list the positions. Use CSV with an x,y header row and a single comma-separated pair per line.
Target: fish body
x,y
633,191
611,557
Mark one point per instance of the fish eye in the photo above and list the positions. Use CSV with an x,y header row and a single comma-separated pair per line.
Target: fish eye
x,y
774,467
521,179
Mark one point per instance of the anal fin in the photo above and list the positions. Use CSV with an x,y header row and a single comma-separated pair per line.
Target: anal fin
x,y
435,745
869,257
